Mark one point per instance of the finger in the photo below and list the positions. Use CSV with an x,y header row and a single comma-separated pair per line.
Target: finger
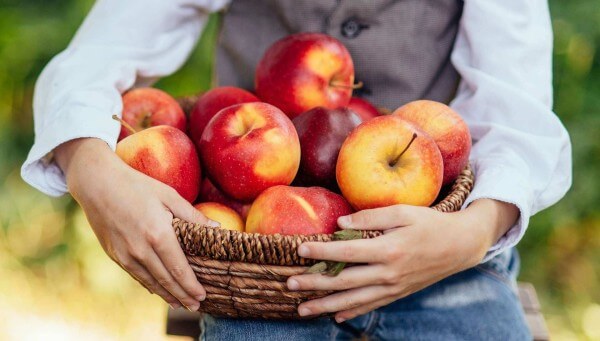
x,y
363,309
173,259
157,269
378,218
344,300
349,278
182,209
350,251
140,274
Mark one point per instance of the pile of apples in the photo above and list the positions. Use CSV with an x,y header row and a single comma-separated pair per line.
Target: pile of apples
x,y
300,151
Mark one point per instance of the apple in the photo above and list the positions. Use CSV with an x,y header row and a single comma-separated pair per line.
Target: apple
x,y
296,210
247,148
448,130
149,107
166,154
208,193
322,132
303,71
210,103
388,161
363,108
227,217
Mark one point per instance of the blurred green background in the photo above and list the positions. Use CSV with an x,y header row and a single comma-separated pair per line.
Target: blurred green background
x,y
56,282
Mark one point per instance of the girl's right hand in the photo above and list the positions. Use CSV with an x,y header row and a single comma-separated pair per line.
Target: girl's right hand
x,y
131,215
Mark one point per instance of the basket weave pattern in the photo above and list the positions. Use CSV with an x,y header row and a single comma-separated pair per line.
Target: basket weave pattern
x,y
245,274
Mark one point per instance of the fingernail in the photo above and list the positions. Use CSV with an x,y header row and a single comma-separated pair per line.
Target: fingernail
x,y
303,311
303,251
339,319
175,305
200,297
193,307
344,221
212,223
293,284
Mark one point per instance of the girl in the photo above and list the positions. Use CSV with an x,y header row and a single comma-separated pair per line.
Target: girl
x,y
432,275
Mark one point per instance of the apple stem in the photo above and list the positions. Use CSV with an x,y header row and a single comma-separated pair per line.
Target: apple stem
x,y
124,124
384,110
395,161
341,85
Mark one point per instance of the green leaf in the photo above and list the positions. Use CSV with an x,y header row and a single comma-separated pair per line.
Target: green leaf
x,y
317,268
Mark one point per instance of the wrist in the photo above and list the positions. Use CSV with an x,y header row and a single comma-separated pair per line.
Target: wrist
x,y
82,157
487,220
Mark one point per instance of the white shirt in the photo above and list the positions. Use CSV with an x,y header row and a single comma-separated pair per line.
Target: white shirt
x,y
521,152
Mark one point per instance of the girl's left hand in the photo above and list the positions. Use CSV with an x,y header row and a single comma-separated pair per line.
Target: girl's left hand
x,y
420,246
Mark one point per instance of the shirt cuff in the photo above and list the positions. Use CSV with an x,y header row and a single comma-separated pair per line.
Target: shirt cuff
x,y
504,184
40,170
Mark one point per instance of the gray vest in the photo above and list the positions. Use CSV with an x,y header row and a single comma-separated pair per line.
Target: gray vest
x,y
401,49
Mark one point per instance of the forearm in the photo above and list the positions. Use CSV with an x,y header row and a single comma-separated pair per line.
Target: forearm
x,y
84,161
79,150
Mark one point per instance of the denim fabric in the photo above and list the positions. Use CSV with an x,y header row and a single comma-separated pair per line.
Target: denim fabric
x,y
477,304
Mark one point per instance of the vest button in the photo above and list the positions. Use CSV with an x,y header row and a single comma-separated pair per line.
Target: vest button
x,y
351,28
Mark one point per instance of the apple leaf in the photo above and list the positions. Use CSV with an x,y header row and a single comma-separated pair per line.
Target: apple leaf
x,y
330,268
318,268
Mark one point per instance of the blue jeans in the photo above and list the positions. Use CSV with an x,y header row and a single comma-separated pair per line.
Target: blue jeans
x,y
477,304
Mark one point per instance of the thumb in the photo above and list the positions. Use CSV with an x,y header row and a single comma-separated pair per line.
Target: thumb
x,y
182,209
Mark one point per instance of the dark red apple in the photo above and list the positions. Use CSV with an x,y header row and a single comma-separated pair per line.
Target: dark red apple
x,y
322,132
210,193
210,103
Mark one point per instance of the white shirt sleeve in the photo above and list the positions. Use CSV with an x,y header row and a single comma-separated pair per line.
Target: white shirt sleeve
x,y
521,152
120,44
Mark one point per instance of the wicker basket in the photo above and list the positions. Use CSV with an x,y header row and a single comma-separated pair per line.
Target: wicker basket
x,y
245,274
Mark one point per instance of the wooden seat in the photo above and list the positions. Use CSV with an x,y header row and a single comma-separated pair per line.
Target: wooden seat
x,y
185,323
533,313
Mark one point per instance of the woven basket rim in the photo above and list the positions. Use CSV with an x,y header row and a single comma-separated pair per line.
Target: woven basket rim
x,y
198,240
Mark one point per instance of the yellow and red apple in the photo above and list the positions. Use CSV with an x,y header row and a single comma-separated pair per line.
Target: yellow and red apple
x,y
149,107
447,129
210,103
166,154
296,210
303,71
247,148
388,161
227,217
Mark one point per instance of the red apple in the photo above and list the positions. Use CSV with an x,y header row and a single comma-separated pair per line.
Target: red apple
x,y
247,148
210,103
165,154
322,132
303,71
363,108
296,210
447,129
228,218
210,193
388,161
148,107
